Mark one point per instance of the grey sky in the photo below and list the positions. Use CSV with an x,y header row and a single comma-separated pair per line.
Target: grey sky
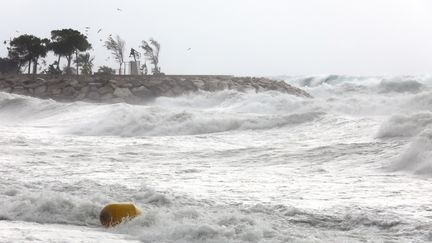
x,y
247,37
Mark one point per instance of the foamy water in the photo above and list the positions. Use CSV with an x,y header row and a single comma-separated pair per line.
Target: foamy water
x,y
353,164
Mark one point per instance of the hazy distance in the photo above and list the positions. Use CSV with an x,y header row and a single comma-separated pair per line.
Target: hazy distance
x,y
246,37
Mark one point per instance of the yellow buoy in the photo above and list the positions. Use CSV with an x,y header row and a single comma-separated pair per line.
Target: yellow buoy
x,y
113,214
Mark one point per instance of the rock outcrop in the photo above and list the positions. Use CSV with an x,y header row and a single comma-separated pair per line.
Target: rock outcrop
x,y
133,89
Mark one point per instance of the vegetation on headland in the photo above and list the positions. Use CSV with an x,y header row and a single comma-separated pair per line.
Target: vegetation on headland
x,y
26,53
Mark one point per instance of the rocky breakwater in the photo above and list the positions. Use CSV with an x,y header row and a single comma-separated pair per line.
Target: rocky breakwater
x,y
133,89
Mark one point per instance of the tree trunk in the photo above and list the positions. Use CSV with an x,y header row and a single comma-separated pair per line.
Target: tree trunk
x,y
58,62
69,60
76,59
120,69
29,66
35,64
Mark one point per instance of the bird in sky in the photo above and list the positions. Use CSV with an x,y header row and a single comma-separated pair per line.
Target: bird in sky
x,y
17,31
189,49
118,9
99,30
5,42
87,27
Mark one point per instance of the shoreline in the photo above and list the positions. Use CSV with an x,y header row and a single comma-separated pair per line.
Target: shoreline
x,y
134,89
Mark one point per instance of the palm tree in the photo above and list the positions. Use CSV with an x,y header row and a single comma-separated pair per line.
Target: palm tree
x,y
117,48
151,51
86,62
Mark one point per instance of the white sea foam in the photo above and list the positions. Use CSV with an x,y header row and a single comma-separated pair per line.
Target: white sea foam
x,y
184,219
267,167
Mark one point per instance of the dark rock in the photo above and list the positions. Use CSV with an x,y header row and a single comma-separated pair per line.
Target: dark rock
x,y
40,91
135,89
142,91
105,90
69,92
92,95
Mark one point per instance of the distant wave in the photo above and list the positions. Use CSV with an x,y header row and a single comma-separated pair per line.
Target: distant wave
x,y
211,112
314,81
400,86
387,84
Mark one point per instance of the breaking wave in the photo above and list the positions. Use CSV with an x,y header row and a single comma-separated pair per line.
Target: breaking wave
x,y
405,125
185,219
185,115
417,158
185,123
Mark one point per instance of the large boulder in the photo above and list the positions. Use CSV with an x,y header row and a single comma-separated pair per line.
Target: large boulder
x,y
40,91
69,92
105,90
93,95
123,93
142,91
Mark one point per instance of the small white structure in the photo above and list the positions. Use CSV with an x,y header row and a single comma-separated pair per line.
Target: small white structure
x,y
134,68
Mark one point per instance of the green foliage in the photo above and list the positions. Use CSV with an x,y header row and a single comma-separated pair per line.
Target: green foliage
x,y
117,48
151,52
66,42
53,69
86,62
68,70
105,70
28,49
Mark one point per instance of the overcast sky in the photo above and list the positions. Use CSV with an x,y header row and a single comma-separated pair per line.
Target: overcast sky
x,y
246,37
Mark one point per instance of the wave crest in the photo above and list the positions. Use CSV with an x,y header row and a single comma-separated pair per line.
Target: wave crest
x,y
417,158
399,85
405,125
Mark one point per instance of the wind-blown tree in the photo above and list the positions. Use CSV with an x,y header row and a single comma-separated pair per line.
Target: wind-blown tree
x,y
53,69
151,52
105,70
117,48
28,49
67,42
86,62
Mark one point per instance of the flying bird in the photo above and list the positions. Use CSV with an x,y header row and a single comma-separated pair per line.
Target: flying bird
x,y
17,31
118,9
99,30
87,27
189,49
5,42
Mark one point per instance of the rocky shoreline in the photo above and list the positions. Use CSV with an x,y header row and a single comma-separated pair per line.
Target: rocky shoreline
x,y
133,89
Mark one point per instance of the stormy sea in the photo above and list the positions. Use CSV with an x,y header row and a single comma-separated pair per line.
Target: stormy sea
x,y
352,164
